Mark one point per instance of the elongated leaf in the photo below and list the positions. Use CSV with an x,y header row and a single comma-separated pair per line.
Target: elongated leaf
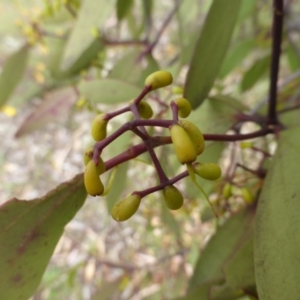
x,y
255,73
56,48
109,91
276,236
55,107
235,57
220,249
12,73
92,14
29,232
217,114
123,6
210,50
239,274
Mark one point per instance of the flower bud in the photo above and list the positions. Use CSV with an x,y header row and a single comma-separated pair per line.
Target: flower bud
x,y
126,208
98,128
194,134
172,197
145,110
184,107
209,171
92,182
159,79
183,145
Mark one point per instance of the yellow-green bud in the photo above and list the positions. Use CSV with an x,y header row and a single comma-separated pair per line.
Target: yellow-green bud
x,y
184,107
126,208
92,182
159,79
247,195
227,190
209,171
194,134
172,197
98,128
183,146
145,110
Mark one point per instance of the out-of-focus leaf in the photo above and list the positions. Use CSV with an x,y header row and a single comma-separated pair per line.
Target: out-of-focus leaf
x,y
55,107
210,50
277,223
235,57
123,6
109,91
200,293
239,274
255,73
290,118
128,68
12,73
56,48
118,186
219,252
247,8
131,70
92,14
216,114
29,232
293,58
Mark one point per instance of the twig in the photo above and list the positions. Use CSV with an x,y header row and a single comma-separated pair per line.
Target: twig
x,y
276,44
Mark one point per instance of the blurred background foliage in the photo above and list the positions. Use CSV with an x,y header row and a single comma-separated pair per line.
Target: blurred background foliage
x,y
62,61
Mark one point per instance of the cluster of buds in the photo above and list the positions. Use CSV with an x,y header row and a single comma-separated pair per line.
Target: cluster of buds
x,y
187,140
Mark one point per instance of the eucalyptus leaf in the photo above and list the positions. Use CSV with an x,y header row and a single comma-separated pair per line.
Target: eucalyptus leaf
x,y
92,15
29,232
258,69
276,236
108,91
12,73
210,50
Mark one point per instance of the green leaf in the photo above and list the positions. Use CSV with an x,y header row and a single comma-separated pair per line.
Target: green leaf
x,y
247,9
118,186
130,69
12,73
239,274
29,232
220,249
255,73
123,6
56,48
235,56
92,14
293,57
216,114
55,107
109,91
210,50
276,235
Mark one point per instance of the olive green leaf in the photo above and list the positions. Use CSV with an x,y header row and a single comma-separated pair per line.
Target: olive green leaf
x,y
210,50
29,232
276,235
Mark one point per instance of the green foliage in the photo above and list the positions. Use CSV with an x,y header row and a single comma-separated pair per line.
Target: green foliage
x,y
82,58
210,50
30,231
12,73
277,224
